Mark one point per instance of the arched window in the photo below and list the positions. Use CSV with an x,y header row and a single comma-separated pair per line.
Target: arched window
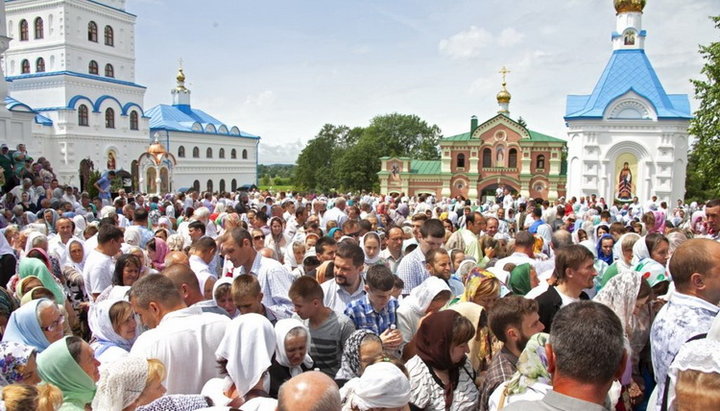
x,y
25,66
24,36
487,158
222,185
244,155
210,186
461,160
83,115
233,154
512,158
221,154
181,151
233,185
540,162
196,185
196,152
109,118
39,65
208,152
109,36
92,32
109,70
134,123
38,28
93,67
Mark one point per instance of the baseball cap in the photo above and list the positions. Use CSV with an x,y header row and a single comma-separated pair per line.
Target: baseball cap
x,y
4,146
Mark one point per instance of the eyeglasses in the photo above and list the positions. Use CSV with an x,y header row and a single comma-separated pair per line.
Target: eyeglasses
x,y
355,234
259,237
55,324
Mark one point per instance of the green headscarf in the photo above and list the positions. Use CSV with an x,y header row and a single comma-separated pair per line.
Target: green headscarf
x,y
531,366
56,366
520,279
35,267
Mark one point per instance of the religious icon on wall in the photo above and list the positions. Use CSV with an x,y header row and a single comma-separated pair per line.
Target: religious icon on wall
x,y
111,160
626,166
395,172
629,38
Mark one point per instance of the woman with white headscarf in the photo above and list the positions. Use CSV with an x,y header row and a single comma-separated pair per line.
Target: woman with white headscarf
x,y
371,247
430,296
72,269
383,385
244,355
291,353
129,383
114,329
80,225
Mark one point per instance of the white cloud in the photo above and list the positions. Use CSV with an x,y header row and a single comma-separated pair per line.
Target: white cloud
x,y
466,44
263,99
509,37
470,43
279,153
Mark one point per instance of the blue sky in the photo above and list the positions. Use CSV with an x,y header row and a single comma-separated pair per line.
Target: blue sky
x,y
281,69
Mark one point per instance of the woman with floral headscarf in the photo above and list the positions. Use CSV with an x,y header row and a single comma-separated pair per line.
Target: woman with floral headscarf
x,y
361,348
531,380
18,364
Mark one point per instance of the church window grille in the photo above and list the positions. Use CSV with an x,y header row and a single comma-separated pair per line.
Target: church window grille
x,y
39,28
461,160
134,123
83,114
244,155
181,152
512,158
208,152
487,158
109,36
222,185
24,36
221,154
233,185
210,186
540,162
109,118
40,65
233,154
109,70
93,67
25,66
196,152
92,32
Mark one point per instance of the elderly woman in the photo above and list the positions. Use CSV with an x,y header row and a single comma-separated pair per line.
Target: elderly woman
x,y
38,324
624,262
361,349
8,304
18,364
70,365
244,356
441,377
113,325
651,254
291,354
130,383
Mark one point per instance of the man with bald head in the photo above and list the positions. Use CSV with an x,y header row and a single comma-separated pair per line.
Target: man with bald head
x,y
176,257
309,391
188,285
695,270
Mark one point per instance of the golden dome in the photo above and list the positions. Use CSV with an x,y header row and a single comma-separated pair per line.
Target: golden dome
x,y
503,96
627,6
180,76
156,150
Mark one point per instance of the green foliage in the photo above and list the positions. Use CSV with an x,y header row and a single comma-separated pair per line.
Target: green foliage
x,y
92,191
343,158
276,170
265,180
702,170
522,122
698,187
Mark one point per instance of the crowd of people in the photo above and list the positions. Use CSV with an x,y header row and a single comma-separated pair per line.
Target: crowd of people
x,y
265,301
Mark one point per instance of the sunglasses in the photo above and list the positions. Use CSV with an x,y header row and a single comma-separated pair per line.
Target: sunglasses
x,y
259,237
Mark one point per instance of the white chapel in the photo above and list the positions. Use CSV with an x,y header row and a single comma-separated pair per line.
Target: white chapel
x,y
628,137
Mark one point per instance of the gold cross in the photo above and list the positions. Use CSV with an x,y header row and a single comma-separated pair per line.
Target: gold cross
x,y
504,72
180,62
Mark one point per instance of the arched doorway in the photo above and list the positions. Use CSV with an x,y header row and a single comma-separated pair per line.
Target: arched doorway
x,y
233,184
210,185
164,181
150,181
196,185
135,174
222,185
86,167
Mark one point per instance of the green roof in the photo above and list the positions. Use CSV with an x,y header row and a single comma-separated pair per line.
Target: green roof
x,y
425,167
459,137
535,136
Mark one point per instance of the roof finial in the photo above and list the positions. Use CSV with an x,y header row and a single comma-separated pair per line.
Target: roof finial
x,y
504,70
180,77
503,97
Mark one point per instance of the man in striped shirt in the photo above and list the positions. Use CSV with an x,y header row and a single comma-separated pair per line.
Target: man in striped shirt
x,y
328,329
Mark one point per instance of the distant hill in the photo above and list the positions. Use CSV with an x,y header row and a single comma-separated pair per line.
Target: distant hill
x,y
284,171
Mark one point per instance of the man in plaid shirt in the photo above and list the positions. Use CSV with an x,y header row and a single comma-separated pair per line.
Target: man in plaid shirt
x,y
376,310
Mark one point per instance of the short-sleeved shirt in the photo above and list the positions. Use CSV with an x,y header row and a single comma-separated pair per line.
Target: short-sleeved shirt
x,y
98,272
427,394
327,342
104,184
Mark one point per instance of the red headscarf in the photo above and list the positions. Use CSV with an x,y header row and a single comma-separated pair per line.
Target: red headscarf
x,y
433,342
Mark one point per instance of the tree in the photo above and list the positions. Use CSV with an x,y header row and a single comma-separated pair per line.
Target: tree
x,y
705,126
522,122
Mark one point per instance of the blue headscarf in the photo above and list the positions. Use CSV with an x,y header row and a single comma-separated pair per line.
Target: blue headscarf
x,y
332,231
600,255
23,326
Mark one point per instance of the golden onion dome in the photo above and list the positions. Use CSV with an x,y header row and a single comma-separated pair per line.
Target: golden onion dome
x,y
156,150
627,6
180,76
503,96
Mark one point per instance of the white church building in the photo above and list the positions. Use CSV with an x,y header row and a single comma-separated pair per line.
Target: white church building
x,y
628,137
71,95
